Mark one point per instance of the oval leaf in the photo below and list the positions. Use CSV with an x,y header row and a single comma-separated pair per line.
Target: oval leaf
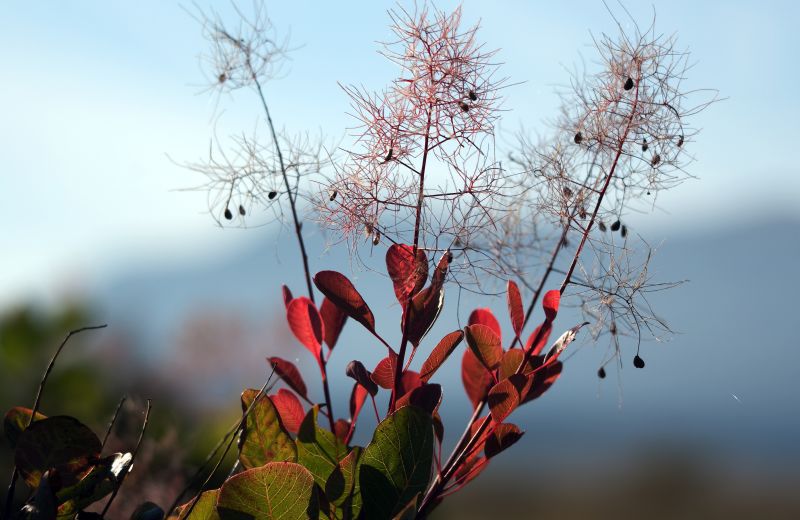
x,y
475,377
515,311
357,398
289,373
306,324
16,420
540,336
355,369
408,276
383,374
344,295
264,438
550,303
341,489
289,408
440,353
397,463
287,295
62,443
426,397
485,344
333,319
205,509
503,436
276,491
485,317
423,312
505,396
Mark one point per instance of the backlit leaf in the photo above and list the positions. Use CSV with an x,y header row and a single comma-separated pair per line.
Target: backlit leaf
x,y
341,487
423,312
505,396
276,491
289,373
440,353
264,438
503,436
306,324
289,408
550,303
542,332
62,443
383,374
475,377
357,398
101,480
333,319
318,450
396,465
16,420
426,397
408,276
515,310
485,344
344,295
204,509
287,295
357,371
485,317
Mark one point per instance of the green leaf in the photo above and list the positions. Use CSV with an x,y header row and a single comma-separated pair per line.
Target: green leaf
x,y
16,420
318,450
100,481
396,465
342,488
278,490
62,443
204,509
264,438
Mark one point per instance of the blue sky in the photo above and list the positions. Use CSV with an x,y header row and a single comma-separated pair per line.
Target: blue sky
x,y
96,94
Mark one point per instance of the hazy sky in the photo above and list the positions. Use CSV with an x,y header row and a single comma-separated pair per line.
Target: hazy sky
x,y
96,94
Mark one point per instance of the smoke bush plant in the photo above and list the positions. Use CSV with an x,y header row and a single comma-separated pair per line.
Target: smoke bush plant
x,y
422,183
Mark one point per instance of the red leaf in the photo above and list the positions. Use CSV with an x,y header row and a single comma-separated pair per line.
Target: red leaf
x,y
485,344
287,295
357,397
475,377
515,310
548,328
510,362
427,396
409,381
550,303
333,318
289,373
505,396
407,276
469,470
289,408
306,324
543,379
423,312
503,436
485,317
341,428
344,295
383,374
355,370
440,353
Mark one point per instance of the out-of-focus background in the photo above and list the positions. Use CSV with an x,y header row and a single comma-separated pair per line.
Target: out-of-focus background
x,y
100,100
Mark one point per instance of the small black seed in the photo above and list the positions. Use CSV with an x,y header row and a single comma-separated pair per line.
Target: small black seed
x,y
644,144
601,373
389,155
222,78
616,225
624,231
464,106
680,141
656,159
613,328
271,195
648,192
449,257
638,362
628,83
578,138
333,195
472,95
228,214
567,192
601,225
376,238
242,212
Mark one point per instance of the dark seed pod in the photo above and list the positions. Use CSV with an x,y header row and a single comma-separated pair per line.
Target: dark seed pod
x,y
228,214
567,192
613,328
638,362
644,144
601,373
582,213
616,225
222,78
624,231
332,195
271,195
648,192
449,257
242,212
628,83
464,106
472,95
680,141
655,160
376,238
601,225
389,155
578,138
